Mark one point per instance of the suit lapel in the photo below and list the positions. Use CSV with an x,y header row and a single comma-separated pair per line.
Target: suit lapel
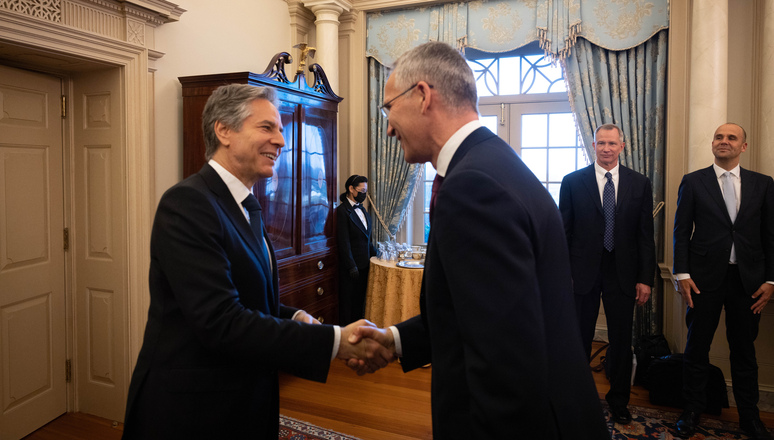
x,y
624,186
710,182
589,177
354,218
234,213
748,189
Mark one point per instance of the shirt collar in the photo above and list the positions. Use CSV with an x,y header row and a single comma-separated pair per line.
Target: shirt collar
x,y
601,171
720,171
235,186
451,146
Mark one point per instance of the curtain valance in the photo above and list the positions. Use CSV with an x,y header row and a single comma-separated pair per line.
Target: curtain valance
x,y
504,25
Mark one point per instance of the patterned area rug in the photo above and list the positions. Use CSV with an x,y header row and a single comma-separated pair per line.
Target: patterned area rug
x,y
292,429
650,423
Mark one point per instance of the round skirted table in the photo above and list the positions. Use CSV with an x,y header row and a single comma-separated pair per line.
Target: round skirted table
x,y
393,293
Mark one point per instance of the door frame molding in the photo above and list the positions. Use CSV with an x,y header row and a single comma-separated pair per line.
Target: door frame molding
x,y
133,59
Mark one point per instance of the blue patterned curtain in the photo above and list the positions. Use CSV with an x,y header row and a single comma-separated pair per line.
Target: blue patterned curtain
x,y
627,88
504,25
392,180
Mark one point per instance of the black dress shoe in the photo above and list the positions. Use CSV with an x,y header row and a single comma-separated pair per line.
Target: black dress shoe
x,y
687,423
620,415
755,429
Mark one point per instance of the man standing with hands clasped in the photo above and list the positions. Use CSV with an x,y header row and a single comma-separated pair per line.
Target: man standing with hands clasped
x,y
607,211
724,259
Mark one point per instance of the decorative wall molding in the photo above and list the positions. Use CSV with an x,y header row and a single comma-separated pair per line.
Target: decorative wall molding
x,y
130,21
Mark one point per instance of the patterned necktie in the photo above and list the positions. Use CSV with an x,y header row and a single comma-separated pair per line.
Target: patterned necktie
x,y
256,224
436,186
608,207
729,196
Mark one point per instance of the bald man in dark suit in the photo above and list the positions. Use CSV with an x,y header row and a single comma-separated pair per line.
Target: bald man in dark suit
x,y
724,259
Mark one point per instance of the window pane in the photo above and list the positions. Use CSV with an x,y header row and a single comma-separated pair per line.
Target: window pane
x,y
553,189
428,193
509,72
561,162
533,130
485,73
429,171
490,122
536,160
561,130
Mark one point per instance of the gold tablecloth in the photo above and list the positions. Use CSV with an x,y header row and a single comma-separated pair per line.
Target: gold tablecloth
x,y
393,293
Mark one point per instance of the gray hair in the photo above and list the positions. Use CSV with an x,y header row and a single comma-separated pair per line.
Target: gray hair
x,y
609,127
443,67
230,104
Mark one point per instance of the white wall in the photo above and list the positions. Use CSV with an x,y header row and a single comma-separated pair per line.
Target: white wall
x,y
209,38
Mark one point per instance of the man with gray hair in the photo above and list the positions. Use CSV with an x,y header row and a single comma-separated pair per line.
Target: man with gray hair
x,y
607,210
217,334
497,320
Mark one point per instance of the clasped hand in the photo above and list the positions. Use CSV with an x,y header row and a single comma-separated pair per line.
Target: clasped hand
x,y
366,348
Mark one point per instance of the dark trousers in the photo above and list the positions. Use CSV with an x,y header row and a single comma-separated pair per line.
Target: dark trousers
x,y
352,295
619,311
741,330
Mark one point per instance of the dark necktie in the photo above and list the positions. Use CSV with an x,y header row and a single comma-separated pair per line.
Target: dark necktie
x,y
608,207
256,224
436,186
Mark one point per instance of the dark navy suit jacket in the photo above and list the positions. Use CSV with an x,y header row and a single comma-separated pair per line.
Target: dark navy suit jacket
x,y
498,318
214,341
703,231
584,225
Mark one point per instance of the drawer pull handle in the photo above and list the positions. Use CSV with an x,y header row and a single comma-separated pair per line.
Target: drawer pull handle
x,y
321,319
320,291
320,265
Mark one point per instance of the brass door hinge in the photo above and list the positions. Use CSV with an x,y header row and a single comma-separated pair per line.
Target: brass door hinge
x,y
64,106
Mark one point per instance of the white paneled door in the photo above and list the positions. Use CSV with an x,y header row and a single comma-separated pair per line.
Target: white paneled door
x,y
32,263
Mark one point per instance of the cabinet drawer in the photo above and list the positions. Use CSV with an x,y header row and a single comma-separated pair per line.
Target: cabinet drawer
x,y
322,290
294,271
325,313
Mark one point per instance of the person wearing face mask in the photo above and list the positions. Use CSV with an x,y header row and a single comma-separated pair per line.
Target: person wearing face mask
x,y
353,226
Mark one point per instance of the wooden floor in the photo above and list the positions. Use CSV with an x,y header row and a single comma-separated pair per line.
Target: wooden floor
x,y
388,405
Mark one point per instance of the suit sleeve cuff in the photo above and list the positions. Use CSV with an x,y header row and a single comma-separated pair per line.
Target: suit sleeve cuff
x,y
336,341
396,338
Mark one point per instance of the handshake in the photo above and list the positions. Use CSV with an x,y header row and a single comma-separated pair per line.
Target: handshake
x,y
365,347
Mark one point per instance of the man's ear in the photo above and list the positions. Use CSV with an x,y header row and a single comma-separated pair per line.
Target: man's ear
x,y
427,96
223,133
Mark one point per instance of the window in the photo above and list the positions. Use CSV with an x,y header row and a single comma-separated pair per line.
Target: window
x,y
522,98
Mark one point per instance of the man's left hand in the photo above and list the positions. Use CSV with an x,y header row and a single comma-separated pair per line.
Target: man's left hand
x,y
763,295
643,293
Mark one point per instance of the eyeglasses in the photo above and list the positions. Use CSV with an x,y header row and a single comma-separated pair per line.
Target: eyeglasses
x,y
386,107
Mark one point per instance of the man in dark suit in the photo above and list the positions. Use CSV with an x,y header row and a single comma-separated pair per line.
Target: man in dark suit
x,y
353,235
217,334
607,211
724,259
498,320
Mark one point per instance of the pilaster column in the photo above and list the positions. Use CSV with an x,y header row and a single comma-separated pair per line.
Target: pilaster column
x,y
709,79
327,55
765,139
